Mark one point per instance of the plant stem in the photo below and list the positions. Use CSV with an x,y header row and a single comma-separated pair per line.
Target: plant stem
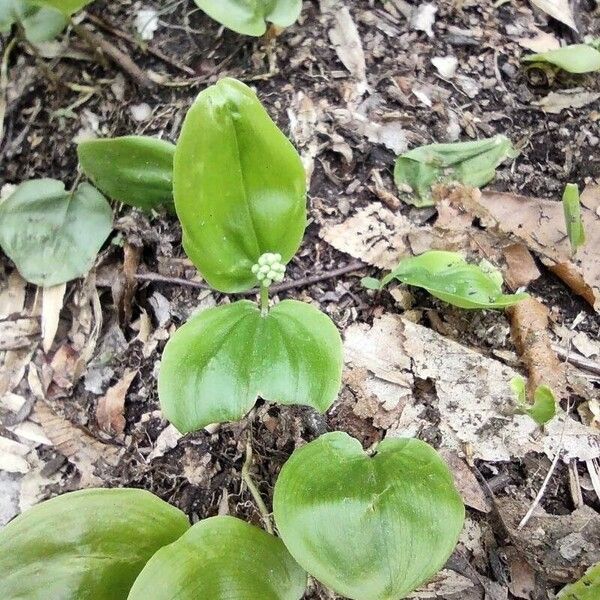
x,y
264,300
262,508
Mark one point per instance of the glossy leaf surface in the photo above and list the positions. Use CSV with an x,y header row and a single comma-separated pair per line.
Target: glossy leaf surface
x,y
88,545
135,170
573,219
217,364
221,558
471,163
40,24
586,588
239,187
578,58
67,7
250,17
449,277
368,527
53,235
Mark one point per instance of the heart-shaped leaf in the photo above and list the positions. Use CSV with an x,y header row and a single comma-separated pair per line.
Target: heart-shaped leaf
x,y
471,163
67,7
219,362
449,277
87,544
40,24
586,588
239,187
369,527
135,170
578,58
221,558
53,235
250,17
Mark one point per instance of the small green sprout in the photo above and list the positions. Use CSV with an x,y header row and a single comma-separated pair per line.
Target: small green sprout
x,y
269,269
578,58
543,408
573,218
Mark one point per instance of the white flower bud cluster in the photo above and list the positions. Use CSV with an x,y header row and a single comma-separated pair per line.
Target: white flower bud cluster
x,y
269,269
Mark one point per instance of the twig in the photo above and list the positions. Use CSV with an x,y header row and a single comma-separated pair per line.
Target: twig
x,y
577,359
283,287
262,508
4,83
592,467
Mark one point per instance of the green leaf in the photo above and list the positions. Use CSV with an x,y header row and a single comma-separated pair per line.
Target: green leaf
x,y
135,170
370,283
217,364
87,544
586,588
221,558
67,7
250,17
40,24
449,277
53,235
543,408
240,188
368,527
578,58
471,163
573,219
518,387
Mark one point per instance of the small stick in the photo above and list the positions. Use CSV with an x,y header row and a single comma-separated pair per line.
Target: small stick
x,y
577,359
593,470
262,508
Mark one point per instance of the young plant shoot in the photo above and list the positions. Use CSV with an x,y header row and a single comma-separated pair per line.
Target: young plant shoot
x,y
578,58
135,170
87,544
370,527
240,195
53,235
543,408
449,277
573,219
250,17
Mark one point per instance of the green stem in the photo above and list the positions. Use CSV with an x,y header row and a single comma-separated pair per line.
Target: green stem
x,y
264,300
262,508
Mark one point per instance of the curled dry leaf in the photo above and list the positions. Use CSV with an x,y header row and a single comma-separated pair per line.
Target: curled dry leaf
x,y
559,10
109,412
529,321
555,102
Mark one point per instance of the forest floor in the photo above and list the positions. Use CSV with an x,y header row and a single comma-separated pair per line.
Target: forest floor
x,y
353,85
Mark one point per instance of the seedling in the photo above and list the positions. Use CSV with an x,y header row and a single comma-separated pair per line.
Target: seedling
x,y
240,195
449,277
573,219
250,17
543,408
578,58
471,163
370,527
53,235
220,559
87,544
135,170
586,588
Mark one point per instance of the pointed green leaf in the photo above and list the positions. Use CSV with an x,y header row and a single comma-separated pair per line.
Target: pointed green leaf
x,y
449,277
368,527
41,24
67,7
217,364
87,544
587,588
573,219
53,235
221,558
578,58
250,17
471,163
135,170
239,186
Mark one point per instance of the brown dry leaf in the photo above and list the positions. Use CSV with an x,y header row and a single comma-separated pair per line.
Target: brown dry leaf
x,y
18,333
522,582
470,392
125,283
79,447
555,102
109,412
560,546
52,303
445,583
529,322
521,269
558,9
12,295
65,370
